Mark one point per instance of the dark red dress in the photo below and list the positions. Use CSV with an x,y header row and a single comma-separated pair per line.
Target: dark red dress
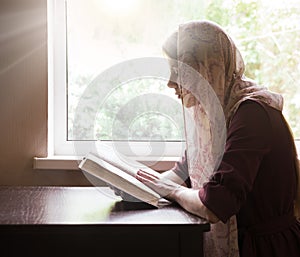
x,y
256,181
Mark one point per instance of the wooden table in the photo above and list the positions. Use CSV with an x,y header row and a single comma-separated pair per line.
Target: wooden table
x,y
90,221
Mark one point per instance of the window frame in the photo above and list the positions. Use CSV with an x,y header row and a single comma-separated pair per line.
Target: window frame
x,y
58,145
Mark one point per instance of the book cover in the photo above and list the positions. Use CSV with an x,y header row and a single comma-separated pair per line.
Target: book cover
x,y
119,171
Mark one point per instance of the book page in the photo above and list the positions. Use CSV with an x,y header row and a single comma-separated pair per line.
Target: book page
x,y
110,174
123,162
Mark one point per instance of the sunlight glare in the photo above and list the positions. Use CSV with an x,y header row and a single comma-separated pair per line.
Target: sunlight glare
x,y
121,7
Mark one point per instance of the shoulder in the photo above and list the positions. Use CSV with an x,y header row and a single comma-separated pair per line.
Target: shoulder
x,y
251,112
251,122
252,106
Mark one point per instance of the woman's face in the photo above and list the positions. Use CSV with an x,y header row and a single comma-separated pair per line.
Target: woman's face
x,y
188,99
172,84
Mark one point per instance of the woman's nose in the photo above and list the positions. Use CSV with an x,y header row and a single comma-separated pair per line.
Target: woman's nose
x,y
172,84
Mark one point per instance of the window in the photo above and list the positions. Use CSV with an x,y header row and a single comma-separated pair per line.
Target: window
x,y
95,36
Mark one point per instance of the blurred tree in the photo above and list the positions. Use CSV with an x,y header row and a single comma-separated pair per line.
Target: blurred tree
x,y
268,36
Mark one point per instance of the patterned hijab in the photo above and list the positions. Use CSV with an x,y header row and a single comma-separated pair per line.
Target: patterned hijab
x,y
210,71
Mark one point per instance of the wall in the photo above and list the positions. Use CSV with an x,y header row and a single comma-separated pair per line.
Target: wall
x,y
23,95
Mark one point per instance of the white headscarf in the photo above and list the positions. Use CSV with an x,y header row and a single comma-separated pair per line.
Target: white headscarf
x,y
210,70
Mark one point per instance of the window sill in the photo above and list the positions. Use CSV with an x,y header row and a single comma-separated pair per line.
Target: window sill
x,y
56,163
72,162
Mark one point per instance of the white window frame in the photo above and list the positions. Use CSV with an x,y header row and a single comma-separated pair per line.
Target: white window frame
x,y
61,151
59,148
58,145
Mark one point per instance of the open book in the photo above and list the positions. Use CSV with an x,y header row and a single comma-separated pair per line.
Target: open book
x,y
119,171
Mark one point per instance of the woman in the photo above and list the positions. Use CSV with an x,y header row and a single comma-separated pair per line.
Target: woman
x,y
245,185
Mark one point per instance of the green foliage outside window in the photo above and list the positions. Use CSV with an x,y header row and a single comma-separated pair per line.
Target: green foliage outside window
x,y
267,34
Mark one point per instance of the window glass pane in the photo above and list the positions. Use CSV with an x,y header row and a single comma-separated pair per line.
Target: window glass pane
x,y
103,33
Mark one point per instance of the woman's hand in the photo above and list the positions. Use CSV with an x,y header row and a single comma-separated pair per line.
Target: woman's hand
x,y
186,197
164,187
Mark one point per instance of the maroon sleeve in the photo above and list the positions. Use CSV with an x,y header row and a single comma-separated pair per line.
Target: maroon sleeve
x,y
181,170
248,140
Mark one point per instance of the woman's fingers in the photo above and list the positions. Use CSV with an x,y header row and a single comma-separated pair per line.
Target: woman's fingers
x,y
144,179
162,187
146,175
